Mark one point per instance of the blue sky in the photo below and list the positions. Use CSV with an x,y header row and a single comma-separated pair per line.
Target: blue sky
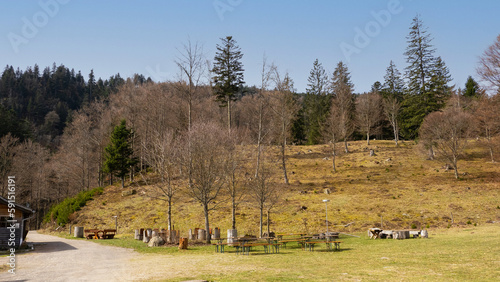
x,y
130,37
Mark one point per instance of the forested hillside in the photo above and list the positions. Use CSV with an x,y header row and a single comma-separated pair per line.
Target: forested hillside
x,y
208,132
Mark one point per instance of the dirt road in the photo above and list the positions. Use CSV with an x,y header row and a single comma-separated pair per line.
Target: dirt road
x,y
58,259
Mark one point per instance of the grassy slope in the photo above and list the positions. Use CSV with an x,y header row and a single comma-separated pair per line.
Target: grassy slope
x,y
397,184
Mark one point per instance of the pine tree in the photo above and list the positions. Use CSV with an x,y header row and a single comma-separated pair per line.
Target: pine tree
x,y
119,159
394,84
228,70
316,103
471,88
419,56
427,77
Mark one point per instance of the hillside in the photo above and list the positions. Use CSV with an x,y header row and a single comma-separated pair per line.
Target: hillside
x,y
397,184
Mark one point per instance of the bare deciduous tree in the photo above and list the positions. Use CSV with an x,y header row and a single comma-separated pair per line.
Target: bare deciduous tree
x,y
191,63
343,101
489,65
284,109
489,121
369,114
448,132
332,131
205,159
264,193
391,110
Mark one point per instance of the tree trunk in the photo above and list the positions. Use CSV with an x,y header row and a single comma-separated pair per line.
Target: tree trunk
x,y
261,222
345,145
333,157
229,113
455,167
431,153
123,182
368,137
233,211
283,160
394,129
259,141
207,224
169,213
268,224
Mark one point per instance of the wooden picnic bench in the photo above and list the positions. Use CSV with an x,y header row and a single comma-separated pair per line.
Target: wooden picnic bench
x,y
108,233
300,241
99,234
245,248
331,245
91,233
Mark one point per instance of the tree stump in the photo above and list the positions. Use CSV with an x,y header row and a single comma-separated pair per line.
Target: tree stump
x,y
424,234
145,237
137,234
183,243
401,234
231,236
192,235
216,234
202,234
154,233
372,153
78,232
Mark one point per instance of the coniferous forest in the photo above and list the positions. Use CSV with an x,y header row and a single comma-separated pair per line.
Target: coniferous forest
x,y
60,129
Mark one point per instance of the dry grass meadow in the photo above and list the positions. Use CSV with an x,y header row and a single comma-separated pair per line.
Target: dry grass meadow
x,y
397,185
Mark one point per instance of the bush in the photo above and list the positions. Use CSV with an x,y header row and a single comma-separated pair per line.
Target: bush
x,y
61,212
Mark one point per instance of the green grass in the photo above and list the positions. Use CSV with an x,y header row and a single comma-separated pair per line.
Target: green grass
x,y
454,254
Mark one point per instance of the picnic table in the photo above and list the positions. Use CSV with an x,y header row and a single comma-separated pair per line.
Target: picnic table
x,y
331,245
100,234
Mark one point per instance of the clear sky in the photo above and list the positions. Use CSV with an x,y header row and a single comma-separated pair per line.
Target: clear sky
x,y
130,37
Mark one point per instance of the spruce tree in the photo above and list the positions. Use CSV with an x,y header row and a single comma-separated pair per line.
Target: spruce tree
x,y
394,84
228,74
316,103
471,88
427,77
119,159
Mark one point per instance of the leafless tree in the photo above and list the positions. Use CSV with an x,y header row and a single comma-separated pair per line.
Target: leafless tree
x,y
332,131
391,110
162,155
488,119
448,132
284,109
205,160
489,66
343,101
191,63
264,192
369,112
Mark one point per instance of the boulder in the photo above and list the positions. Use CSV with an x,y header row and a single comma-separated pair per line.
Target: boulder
x,y
156,242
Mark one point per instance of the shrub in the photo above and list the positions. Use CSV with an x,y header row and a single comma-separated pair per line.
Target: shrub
x,y
61,212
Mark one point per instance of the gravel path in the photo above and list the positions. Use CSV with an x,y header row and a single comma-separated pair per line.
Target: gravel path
x,y
58,259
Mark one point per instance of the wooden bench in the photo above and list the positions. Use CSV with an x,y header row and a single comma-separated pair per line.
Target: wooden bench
x,y
299,241
331,245
91,233
108,233
220,245
246,247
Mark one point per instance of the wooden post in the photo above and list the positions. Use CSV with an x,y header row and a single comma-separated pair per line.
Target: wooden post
x,y
183,243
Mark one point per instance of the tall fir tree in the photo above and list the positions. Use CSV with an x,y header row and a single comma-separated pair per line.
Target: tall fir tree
x,y
119,153
471,88
394,85
316,103
228,74
427,77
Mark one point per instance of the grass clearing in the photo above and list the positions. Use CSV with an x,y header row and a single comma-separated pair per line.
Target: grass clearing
x,y
454,254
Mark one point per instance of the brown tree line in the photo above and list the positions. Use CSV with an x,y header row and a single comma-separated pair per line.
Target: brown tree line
x,y
177,134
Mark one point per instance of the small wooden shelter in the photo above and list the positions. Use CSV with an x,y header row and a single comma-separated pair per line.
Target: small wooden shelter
x,y
13,226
